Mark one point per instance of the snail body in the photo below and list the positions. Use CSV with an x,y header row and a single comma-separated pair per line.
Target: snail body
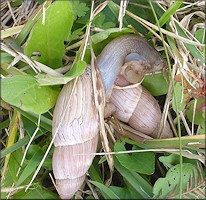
x,y
123,50
75,120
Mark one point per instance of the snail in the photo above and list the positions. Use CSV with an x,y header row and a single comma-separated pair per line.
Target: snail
x,y
77,137
137,107
75,120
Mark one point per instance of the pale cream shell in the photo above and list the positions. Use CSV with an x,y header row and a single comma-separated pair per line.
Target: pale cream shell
x,y
137,107
76,122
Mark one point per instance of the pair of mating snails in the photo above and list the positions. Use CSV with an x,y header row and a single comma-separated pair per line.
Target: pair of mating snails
x,y
76,120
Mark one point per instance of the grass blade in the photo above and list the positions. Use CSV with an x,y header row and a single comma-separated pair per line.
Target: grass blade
x,y
136,181
107,193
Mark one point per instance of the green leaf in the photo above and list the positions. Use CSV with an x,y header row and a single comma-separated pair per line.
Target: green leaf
x,y
192,49
31,166
76,70
199,117
37,192
16,146
143,162
99,37
30,23
125,193
174,159
24,92
135,180
80,8
170,160
200,35
16,3
170,184
47,37
155,84
108,194
6,58
165,17
94,172
99,21
180,97
14,164
45,123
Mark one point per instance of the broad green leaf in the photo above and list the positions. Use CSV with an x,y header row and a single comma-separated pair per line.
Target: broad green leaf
x,y
143,162
179,96
155,84
30,23
24,92
99,37
47,164
174,159
48,34
199,115
76,70
8,179
10,70
170,160
102,160
31,166
170,184
108,194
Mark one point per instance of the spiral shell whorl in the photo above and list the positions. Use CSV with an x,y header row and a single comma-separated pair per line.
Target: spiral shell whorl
x,y
137,107
76,126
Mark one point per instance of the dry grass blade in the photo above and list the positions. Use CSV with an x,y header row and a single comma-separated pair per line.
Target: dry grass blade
x,y
12,16
144,22
35,65
122,10
27,148
11,31
12,190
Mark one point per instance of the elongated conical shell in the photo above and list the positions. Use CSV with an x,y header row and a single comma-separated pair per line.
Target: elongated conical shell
x,y
139,109
70,164
76,126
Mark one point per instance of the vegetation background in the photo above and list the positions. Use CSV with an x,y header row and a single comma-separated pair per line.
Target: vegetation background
x,y
35,63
